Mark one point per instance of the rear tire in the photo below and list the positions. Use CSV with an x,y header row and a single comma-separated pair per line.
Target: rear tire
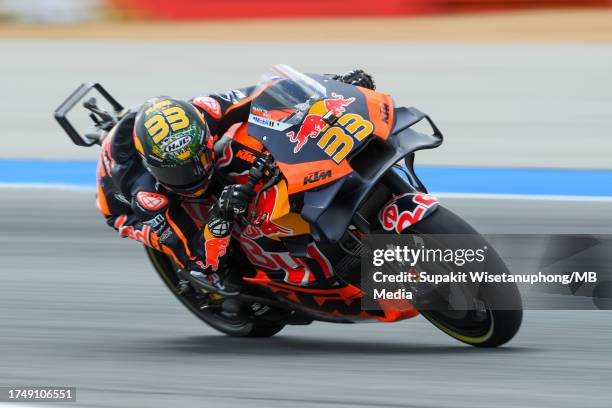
x,y
501,324
230,326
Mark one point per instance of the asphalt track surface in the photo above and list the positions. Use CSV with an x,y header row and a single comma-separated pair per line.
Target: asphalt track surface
x,y
82,307
529,105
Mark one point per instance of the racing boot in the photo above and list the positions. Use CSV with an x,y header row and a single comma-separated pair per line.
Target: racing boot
x,y
223,282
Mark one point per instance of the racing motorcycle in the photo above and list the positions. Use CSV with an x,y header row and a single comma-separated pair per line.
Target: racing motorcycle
x,y
341,167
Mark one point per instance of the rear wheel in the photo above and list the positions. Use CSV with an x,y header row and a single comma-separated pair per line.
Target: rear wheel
x,y
232,324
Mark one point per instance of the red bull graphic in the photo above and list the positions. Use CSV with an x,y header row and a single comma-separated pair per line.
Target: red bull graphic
x,y
215,249
337,104
313,124
311,127
266,229
297,270
266,226
406,210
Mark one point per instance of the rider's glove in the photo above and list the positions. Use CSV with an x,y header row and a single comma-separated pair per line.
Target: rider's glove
x,y
259,168
235,199
357,77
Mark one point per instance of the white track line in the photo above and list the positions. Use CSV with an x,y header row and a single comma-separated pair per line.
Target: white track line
x,y
47,186
531,197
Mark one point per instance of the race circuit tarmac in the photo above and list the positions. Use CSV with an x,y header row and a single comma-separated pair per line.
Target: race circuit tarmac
x,y
82,307
517,105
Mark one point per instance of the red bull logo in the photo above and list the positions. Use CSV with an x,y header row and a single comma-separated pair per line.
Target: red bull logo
x,y
337,104
215,249
314,124
311,127
266,227
406,210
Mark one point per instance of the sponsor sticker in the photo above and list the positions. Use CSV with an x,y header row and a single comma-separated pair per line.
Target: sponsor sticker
x,y
177,144
268,123
406,210
210,105
313,124
151,201
317,176
215,249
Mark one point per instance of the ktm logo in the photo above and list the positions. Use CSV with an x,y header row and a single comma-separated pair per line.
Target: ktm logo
x,y
384,112
246,156
317,176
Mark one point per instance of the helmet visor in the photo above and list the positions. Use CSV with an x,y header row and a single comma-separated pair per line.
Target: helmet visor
x,y
185,177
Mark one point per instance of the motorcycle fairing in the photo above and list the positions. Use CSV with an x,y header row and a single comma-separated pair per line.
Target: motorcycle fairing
x,y
341,304
330,210
297,270
276,220
333,190
360,115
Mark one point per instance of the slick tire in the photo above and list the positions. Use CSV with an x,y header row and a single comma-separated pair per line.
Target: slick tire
x,y
230,326
500,324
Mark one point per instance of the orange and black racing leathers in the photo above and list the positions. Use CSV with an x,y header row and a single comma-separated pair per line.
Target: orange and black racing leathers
x,y
188,229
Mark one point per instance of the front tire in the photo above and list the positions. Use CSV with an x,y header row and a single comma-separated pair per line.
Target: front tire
x,y
496,325
235,327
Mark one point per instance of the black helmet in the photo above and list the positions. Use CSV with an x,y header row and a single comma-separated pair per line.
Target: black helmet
x,y
174,142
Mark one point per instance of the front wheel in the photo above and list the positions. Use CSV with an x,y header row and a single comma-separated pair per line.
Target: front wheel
x,y
230,324
491,324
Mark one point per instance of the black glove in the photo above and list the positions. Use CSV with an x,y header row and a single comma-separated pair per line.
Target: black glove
x,y
357,77
259,169
235,199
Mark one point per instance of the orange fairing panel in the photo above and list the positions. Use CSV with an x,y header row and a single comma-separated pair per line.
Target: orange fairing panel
x,y
396,310
242,136
296,174
281,214
347,293
392,312
380,110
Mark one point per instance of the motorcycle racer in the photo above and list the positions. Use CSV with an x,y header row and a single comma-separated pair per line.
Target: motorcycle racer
x,y
167,162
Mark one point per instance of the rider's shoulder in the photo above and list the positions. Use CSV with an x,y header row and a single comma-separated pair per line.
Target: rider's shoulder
x,y
122,143
208,105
